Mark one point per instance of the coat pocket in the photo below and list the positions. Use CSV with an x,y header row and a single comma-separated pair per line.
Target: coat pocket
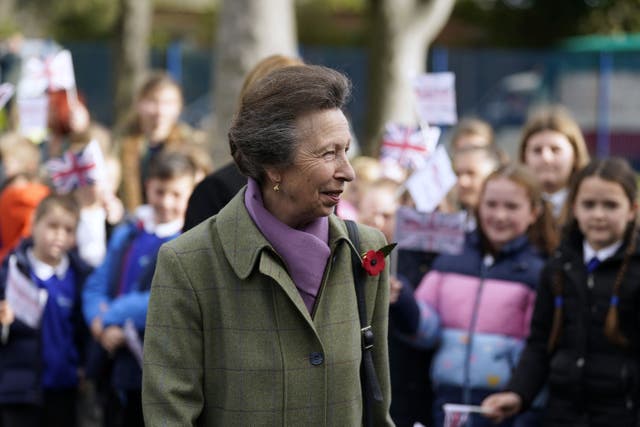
x,y
565,371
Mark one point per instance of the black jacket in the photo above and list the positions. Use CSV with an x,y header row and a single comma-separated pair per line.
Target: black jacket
x,y
212,194
592,382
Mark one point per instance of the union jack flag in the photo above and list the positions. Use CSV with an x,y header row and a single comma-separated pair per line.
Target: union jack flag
x,y
407,145
455,419
456,415
74,170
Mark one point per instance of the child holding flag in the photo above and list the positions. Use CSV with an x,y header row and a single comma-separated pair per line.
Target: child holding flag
x,y
43,333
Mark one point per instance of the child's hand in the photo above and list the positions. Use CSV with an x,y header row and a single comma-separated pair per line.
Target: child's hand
x,y
112,338
395,289
499,406
114,208
7,316
96,328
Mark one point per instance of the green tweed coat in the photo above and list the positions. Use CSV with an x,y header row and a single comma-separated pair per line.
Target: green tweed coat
x,y
229,341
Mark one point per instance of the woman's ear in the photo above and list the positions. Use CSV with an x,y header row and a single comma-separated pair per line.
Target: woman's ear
x,y
273,175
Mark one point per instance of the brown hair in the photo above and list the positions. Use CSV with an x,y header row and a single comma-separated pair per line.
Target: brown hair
x,y
471,126
155,81
266,66
65,201
542,232
558,119
619,171
169,164
263,132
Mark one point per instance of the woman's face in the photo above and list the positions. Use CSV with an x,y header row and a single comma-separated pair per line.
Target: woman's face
x,y
505,211
603,211
550,156
312,186
159,112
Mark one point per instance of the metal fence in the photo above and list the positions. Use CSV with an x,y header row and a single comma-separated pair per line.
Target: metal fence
x,y
602,89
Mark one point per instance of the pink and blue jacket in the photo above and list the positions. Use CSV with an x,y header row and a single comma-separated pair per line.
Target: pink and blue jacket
x,y
476,309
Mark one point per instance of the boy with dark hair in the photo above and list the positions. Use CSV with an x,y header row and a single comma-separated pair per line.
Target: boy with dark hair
x,y
43,338
117,293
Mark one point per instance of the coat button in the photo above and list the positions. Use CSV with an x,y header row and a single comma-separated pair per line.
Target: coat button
x,y
580,362
316,358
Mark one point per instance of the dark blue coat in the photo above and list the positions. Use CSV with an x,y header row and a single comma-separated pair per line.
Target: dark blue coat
x,y
21,357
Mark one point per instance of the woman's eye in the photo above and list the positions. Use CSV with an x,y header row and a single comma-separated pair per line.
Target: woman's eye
x,y
329,155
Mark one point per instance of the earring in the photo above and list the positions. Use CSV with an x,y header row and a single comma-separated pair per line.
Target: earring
x,y
276,187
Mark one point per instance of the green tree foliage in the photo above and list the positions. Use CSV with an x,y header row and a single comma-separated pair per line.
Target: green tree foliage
x,y
83,19
543,23
517,23
613,17
331,22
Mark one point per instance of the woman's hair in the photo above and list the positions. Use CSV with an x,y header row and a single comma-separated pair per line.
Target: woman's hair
x,y
65,201
263,132
616,170
542,232
558,119
266,66
471,126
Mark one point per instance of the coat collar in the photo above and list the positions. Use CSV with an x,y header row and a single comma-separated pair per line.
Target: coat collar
x,y
246,248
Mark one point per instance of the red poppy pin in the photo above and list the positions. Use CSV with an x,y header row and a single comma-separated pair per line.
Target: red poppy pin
x,y
373,261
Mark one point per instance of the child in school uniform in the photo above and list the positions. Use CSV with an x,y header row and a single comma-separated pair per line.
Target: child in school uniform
x,y
39,364
585,330
117,293
474,307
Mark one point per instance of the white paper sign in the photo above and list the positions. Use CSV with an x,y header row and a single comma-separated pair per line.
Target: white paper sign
x,y
430,232
32,114
61,75
436,98
429,185
34,80
24,297
6,92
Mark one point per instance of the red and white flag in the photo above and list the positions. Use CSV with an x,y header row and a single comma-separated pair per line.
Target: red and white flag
x,y
404,144
74,170
456,415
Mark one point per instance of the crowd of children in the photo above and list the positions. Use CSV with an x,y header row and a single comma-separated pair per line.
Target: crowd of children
x,y
77,259
534,322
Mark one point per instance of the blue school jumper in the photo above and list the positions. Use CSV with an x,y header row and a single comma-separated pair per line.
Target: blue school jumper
x,y
47,358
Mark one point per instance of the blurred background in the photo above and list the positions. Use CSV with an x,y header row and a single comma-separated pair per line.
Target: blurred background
x,y
507,55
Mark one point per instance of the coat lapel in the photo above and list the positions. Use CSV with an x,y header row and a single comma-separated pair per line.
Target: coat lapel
x,y
245,247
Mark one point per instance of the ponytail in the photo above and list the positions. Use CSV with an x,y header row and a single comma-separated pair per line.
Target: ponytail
x,y
612,324
558,302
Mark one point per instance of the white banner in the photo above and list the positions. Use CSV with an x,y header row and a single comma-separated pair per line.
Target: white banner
x,y
436,98
25,299
429,185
